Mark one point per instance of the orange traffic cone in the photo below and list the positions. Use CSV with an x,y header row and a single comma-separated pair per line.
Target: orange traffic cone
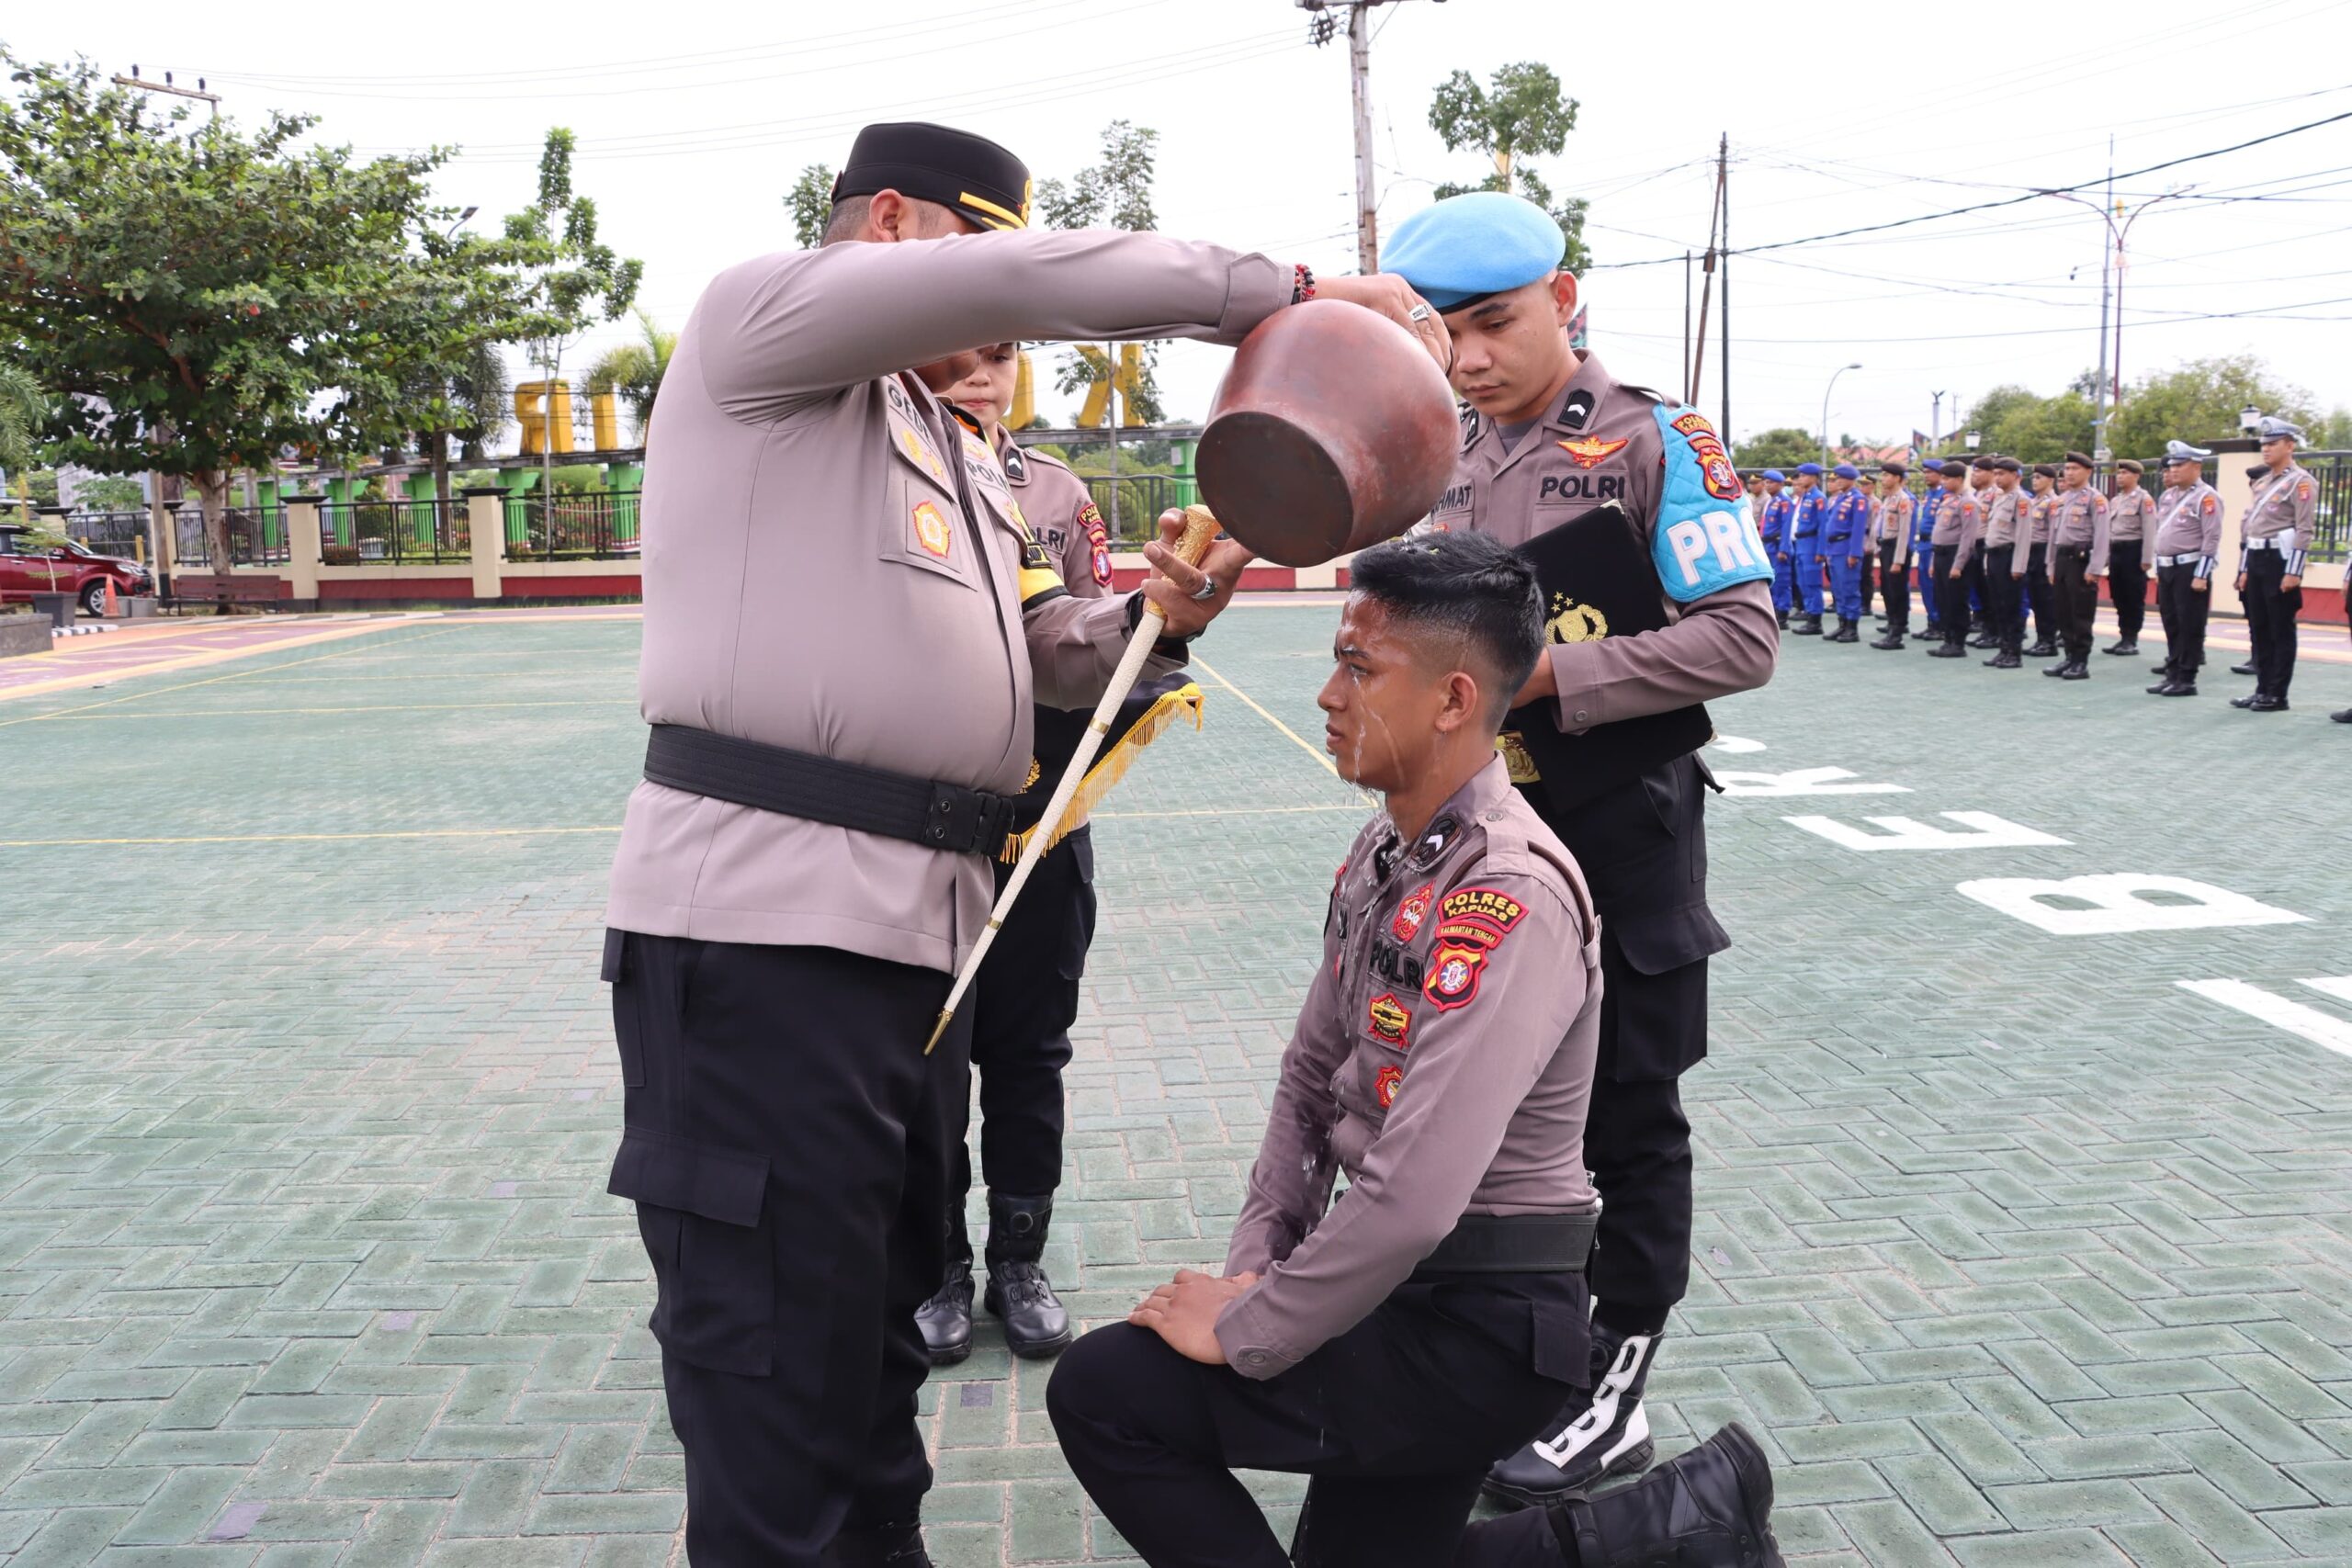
x,y
112,609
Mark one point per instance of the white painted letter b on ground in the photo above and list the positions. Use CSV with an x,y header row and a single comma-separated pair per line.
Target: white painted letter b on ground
x,y
2123,901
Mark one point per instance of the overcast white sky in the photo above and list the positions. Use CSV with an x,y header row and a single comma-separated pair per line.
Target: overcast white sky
x,y
695,117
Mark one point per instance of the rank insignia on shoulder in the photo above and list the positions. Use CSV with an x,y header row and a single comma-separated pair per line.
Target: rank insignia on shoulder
x,y
1517,760
1412,912
1454,974
1433,842
1386,1084
1390,1020
1486,906
931,529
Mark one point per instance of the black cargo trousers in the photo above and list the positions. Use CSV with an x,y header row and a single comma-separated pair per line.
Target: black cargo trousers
x,y
1643,849
786,1142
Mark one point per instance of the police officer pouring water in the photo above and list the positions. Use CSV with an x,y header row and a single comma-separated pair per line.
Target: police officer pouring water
x,y
1656,599
846,625
2274,540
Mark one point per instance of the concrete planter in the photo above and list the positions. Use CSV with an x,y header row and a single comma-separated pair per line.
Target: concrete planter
x,y
24,633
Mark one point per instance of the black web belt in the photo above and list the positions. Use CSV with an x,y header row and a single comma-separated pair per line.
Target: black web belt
x,y
1514,1243
825,789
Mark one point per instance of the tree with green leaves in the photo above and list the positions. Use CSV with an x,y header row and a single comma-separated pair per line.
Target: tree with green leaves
x,y
810,201
2024,425
1783,448
1521,112
573,279
1114,192
634,370
2198,402
201,300
24,409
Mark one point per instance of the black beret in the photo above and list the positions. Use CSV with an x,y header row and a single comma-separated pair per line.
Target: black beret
x,y
2008,465
2081,458
967,173
1953,468
2131,466
1898,470
2045,470
1986,461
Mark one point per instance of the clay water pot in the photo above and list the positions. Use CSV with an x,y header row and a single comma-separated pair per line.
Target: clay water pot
x,y
1332,430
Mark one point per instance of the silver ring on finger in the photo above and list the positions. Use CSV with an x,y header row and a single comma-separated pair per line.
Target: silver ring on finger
x,y
1205,591
1418,313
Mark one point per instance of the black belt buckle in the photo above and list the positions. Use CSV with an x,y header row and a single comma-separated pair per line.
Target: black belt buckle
x,y
968,821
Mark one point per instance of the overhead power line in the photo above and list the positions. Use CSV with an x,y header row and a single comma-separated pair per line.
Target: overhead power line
x,y
2004,201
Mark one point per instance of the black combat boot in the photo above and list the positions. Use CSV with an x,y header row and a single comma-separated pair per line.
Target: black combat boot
x,y
1947,650
2249,668
2174,686
2044,649
2126,647
1710,1507
1845,632
1035,1325
946,1319
1806,625
882,1546
2073,669
1604,1435
1891,641
1782,617
2006,660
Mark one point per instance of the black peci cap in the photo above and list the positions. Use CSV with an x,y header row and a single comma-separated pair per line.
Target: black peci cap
x,y
2045,470
1898,470
968,174
2081,459
1953,468
2007,466
2130,465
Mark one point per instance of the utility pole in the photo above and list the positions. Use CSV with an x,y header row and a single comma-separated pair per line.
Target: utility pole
x,y
2106,264
1319,32
1936,419
1723,205
166,85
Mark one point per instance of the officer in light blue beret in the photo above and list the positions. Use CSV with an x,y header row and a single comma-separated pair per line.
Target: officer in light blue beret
x,y
1561,460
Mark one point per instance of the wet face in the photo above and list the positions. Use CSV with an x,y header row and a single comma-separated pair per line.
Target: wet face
x,y
1385,706
1510,355
986,391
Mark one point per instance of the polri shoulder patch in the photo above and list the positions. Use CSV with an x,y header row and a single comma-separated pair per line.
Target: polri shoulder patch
x,y
1704,540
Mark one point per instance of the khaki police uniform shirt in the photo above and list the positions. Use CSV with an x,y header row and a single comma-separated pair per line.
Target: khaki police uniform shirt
x,y
2038,518
2285,505
2078,522
2129,513
2004,511
1062,512
1959,523
1444,1058
2188,523
1892,525
828,567
1601,443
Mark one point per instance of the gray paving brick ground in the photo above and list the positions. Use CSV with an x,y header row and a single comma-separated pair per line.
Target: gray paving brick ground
x,y
2012,1250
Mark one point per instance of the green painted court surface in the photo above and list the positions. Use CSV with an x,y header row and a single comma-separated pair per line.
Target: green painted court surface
x,y
2011,1248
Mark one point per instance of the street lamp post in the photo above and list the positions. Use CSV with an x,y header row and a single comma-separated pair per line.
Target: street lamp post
x,y
1824,407
2108,391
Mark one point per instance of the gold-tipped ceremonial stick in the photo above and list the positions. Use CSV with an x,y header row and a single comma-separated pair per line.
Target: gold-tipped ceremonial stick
x,y
1200,531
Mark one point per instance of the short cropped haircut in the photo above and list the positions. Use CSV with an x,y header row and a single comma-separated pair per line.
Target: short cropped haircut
x,y
1465,585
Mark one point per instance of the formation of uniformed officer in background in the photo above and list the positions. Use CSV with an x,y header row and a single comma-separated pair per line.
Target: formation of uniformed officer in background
x,y
1772,521
2273,542
1893,529
2005,521
828,778
1800,544
1959,526
2131,516
1392,1344
2044,483
2187,542
1656,602
1844,535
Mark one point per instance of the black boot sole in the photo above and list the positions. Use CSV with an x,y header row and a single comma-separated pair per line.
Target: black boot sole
x,y
951,1356
1633,1462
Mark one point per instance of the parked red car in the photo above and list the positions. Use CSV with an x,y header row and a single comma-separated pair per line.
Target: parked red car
x,y
33,563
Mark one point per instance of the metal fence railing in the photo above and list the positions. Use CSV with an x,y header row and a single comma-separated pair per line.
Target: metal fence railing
x,y
407,532
256,537
122,534
2332,532
1131,503
601,526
